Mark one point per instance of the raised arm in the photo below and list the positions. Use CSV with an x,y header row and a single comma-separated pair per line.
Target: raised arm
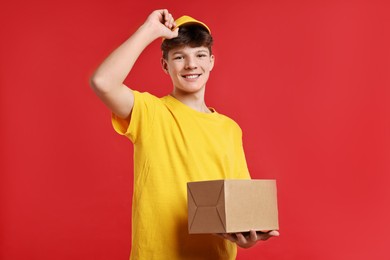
x,y
107,80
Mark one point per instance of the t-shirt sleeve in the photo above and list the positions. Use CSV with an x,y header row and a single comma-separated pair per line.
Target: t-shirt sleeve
x,y
140,122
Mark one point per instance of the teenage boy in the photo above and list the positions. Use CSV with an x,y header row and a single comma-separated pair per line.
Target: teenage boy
x,y
177,139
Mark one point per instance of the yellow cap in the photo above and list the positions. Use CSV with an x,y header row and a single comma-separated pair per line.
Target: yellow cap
x,y
185,19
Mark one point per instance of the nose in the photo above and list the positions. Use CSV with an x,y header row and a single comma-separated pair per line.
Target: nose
x,y
190,63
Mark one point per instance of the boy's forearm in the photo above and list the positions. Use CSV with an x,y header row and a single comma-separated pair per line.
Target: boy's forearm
x,y
115,68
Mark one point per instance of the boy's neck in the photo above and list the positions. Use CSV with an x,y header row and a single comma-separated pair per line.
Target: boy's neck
x,y
193,100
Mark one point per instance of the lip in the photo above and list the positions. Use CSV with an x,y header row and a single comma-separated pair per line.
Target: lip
x,y
192,76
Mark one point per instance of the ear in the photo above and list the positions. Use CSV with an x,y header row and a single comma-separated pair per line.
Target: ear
x,y
164,65
212,58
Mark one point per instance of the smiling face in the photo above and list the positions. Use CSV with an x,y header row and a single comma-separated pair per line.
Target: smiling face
x,y
189,68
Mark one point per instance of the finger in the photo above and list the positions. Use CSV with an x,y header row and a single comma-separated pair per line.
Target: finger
x,y
171,20
268,235
165,15
274,233
264,237
241,239
253,235
168,19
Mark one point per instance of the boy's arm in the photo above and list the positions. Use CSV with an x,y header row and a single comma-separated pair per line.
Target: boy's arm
x,y
107,81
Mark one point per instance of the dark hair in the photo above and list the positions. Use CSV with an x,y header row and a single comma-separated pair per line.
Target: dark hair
x,y
189,35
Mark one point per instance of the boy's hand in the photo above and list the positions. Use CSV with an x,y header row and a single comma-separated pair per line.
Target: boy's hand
x,y
162,22
250,240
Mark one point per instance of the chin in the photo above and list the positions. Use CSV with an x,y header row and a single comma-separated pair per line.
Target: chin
x,y
188,89
191,90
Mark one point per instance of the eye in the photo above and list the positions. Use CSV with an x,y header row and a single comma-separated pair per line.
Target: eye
x,y
202,55
178,57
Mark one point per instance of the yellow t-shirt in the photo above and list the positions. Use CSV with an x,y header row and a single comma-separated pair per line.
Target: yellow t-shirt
x,y
174,144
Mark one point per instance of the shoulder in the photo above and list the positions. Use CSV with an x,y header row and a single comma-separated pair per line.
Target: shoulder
x,y
142,99
229,122
144,95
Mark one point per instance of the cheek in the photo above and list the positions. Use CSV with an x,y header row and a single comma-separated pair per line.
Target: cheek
x,y
208,66
175,68
174,74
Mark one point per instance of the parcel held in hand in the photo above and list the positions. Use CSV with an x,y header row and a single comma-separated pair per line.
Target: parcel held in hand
x,y
229,206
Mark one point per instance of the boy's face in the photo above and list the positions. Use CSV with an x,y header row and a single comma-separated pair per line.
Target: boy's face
x,y
189,68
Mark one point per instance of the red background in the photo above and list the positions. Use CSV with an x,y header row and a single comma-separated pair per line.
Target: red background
x,y
308,81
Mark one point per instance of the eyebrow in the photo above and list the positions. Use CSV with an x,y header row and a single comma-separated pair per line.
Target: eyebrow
x,y
181,52
177,52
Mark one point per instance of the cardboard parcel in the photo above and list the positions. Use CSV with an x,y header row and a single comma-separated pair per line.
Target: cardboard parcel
x,y
229,206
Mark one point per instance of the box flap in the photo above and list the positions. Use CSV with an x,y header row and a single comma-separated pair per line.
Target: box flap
x,y
206,208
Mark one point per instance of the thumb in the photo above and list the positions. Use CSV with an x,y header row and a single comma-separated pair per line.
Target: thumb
x,y
175,33
169,34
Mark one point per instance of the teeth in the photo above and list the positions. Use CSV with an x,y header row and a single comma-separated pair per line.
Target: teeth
x,y
191,76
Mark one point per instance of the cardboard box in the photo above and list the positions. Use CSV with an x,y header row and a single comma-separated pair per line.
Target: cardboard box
x,y
228,206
